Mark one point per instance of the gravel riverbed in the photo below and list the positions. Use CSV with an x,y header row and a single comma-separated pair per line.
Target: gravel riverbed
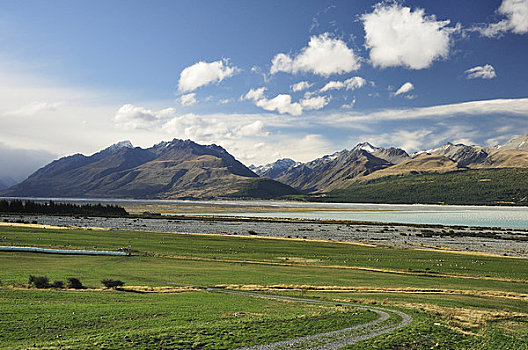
x,y
511,242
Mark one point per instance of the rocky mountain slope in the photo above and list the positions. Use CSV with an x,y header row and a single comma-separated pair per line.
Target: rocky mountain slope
x,y
366,162
336,170
175,169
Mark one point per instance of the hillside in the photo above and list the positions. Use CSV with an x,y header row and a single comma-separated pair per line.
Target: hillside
x,y
479,187
175,169
366,162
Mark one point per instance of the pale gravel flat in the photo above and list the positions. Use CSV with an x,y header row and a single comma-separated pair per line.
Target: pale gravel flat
x,y
500,241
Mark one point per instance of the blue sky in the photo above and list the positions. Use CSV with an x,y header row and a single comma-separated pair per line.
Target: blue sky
x,y
264,79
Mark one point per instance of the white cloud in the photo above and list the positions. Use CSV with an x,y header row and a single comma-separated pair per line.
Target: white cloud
x,y
281,103
516,13
317,102
34,108
204,73
188,100
514,107
324,56
408,140
397,36
300,86
350,84
405,88
485,72
349,105
225,101
130,116
254,94
252,129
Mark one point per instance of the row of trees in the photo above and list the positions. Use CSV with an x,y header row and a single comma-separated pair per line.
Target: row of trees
x,y
30,207
73,283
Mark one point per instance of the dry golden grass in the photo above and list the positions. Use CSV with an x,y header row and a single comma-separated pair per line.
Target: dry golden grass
x,y
14,224
138,289
351,289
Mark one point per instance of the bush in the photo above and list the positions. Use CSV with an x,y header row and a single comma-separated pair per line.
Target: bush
x,y
74,283
112,283
57,284
39,281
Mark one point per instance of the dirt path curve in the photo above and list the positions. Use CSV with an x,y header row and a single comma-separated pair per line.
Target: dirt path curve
x,y
328,340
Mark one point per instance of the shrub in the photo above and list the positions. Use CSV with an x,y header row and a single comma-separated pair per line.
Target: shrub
x,y
39,281
112,283
57,284
74,283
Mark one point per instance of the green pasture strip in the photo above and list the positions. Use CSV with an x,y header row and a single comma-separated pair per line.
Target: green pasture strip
x,y
113,319
270,250
154,271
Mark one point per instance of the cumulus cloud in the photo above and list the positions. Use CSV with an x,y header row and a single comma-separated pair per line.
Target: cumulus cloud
x,y
317,102
210,129
349,84
484,72
188,100
204,73
324,56
254,94
397,36
405,88
252,129
281,103
516,21
300,86
130,116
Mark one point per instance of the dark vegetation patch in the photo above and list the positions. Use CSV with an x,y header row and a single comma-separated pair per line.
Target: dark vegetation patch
x,y
17,206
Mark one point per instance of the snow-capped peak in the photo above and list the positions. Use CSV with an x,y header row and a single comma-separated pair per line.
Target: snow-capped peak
x,y
365,146
121,144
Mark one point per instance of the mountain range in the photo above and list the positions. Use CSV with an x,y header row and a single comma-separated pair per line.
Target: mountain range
x,y
175,169
185,169
366,162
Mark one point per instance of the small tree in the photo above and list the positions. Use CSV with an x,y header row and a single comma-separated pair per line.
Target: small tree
x,y
39,281
74,283
57,284
112,283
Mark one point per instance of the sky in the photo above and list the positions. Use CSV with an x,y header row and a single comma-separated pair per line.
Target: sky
x,y
264,79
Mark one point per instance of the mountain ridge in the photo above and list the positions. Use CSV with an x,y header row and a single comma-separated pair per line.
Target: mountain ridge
x,y
174,169
334,171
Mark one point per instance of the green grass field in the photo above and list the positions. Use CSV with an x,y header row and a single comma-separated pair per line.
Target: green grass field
x,y
456,300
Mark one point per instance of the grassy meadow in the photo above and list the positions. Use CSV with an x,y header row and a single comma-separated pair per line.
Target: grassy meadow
x,y
465,301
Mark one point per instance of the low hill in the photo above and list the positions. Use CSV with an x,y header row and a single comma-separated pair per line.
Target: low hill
x,y
477,187
421,164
